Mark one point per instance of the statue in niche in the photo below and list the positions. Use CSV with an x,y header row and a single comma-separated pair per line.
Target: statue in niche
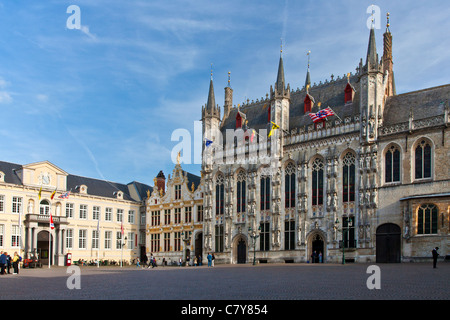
x,y
334,200
371,128
30,206
367,231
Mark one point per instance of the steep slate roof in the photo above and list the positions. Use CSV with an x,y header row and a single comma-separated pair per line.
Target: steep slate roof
x,y
192,178
95,187
329,94
10,175
423,103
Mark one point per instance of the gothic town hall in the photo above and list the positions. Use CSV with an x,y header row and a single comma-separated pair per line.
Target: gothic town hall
x,y
285,181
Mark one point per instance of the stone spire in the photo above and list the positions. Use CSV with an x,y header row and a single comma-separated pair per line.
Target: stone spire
x,y
308,76
388,64
211,104
279,85
372,55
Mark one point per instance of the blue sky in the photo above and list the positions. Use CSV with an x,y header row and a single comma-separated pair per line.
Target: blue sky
x,y
102,101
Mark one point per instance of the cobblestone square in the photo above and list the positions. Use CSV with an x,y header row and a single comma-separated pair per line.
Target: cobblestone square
x,y
406,281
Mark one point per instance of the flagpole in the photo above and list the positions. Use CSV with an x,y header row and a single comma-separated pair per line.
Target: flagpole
x,y
121,242
98,244
49,244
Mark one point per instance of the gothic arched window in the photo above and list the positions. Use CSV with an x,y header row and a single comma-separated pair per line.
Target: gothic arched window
x,y
427,219
241,190
289,186
392,164
265,193
423,160
348,178
317,182
220,195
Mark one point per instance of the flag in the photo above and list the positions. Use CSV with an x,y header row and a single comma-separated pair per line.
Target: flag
x,y
40,192
121,228
253,135
53,194
65,195
274,127
52,225
208,142
322,114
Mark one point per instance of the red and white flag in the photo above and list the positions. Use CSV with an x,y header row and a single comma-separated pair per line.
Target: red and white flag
x,y
52,225
322,114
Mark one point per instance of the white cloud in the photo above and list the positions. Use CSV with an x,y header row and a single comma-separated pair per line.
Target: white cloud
x,y
85,30
5,96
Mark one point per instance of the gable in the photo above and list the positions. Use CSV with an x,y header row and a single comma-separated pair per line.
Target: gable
x,y
44,174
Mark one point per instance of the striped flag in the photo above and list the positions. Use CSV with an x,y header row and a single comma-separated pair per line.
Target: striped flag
x,y
322,114
65,195
52,225
53,194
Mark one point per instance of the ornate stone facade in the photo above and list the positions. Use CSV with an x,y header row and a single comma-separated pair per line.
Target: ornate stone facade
x,y
370,182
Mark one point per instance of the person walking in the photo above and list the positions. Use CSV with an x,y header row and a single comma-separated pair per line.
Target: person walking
x,y
212,260
209,257
15,263
138,263
3,262
8,263
435,256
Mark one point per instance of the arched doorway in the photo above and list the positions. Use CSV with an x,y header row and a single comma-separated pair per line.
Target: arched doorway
x,y
240,249
44,247
316,252
388,243
198,244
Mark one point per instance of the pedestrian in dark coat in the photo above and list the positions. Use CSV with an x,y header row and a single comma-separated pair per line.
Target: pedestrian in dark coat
x,y
435,256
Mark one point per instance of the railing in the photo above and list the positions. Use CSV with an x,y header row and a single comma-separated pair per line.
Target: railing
x,y
45,218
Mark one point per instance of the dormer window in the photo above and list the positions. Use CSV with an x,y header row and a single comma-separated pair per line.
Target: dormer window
x,y
349,93
309,103
240,120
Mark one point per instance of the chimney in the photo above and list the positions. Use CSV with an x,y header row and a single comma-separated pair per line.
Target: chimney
x,y
161,182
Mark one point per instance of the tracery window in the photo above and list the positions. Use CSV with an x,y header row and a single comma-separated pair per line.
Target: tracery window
x,y
427,219
423,160
317,182
392,165
289,186
220,195
265,193
348,177
241,191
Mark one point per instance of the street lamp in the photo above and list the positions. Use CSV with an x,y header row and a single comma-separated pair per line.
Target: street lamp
x,y
254,234
122,243
344,233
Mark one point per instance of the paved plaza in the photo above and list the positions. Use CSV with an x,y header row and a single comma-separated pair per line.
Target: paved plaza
x,y
406,281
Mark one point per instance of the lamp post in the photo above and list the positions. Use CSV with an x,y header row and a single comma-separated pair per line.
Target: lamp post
x,y
344,232
254,234
122,243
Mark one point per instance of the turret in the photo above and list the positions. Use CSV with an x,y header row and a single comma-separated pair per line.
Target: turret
x,y
388,64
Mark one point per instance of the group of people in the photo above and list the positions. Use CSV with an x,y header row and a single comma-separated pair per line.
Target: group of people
x,y
211,259
316,257
6,262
